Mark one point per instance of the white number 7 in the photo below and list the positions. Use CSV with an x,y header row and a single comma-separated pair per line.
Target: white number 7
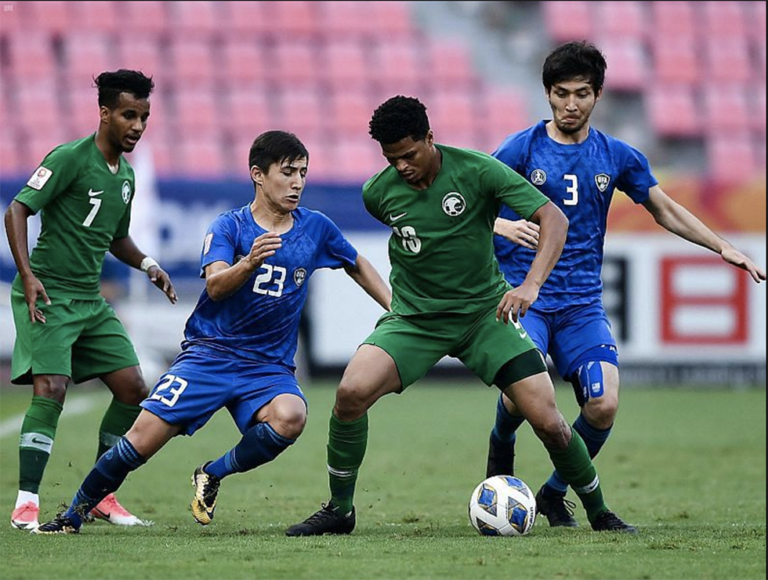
x,y
96,203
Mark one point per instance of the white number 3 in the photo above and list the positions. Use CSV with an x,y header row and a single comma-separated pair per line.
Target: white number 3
x,y
573,189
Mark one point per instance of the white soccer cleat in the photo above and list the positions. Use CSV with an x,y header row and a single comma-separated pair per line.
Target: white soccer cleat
x,y
25,516
110,510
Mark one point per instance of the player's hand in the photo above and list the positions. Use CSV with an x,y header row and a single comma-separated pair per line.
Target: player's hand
x,y
263,247
33,291
520,232
162,280
735,257
516,302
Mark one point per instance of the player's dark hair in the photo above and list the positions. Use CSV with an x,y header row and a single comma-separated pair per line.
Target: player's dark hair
x,y
275,147
111,84
576,59
398,118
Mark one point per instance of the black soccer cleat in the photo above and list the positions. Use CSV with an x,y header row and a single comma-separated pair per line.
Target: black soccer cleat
x,y
610,522
501,460
327,520
58,525
559,511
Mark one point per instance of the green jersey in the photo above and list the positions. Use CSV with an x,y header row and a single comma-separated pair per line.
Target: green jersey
x,y
441,248
84,207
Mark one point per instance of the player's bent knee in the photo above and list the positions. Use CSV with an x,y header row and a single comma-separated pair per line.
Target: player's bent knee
x,y
553,432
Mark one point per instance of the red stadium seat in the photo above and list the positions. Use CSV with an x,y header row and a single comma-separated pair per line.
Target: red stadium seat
x,y
726,109
399,67
728,59
627,69
190,60
675,60
52,17
202,157
294,18
11,156
356,159
731,158
392,19
623,20
195,18
346,20
294,63
141,51
95,17
245,20
673,111
503,111
723,19
88,54
346,65
38,107
197,111
449,64
146,17
31,56
351,111
454,112
673,19
570,20
243,61
301,111
247,111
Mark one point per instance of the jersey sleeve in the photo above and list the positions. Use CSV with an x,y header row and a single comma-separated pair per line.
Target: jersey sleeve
x,y
220,242
57,171
371,200
635,178
336,251
512,189
510,152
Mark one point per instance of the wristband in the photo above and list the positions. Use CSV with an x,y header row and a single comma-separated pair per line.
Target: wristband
x,y
147,263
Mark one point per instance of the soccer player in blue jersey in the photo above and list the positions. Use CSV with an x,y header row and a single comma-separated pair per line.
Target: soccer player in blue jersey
x,y
578,168
241,339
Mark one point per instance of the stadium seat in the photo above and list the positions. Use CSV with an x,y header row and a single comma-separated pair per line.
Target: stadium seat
x,y
83,109
673,111
146,17
346,65
503,111
757,108
723,20
391,18
247,111
454,112
202,158
86,55
95,17
622,20
570,20
346,20
627,68
199,18
350,111
39,144
243,61
11,158
673,19
141,51
675,60
356,159
190,60
726,109
449,64
293,64
731,158
301,111
756,24
399,68
38,107
196,111
31,56
728,59
244,20
294,19
51,17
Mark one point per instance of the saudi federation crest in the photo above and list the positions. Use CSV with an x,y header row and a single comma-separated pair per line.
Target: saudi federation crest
x,y
538,177
126,191
454,204
602,180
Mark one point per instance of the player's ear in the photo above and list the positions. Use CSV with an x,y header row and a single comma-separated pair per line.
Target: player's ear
x,y
104,114
257,175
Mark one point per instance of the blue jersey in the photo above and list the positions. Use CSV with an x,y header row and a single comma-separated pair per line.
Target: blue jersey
x,y
580,179
260,322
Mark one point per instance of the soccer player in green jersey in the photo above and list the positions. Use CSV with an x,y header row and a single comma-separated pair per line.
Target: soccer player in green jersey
x,y
450,298
65,331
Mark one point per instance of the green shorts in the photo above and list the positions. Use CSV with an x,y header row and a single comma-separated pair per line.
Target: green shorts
x,y
81,339
417,343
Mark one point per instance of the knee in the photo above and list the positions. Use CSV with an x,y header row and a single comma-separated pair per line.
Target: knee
x,y
51,387
554,432
601,411
351,401
138,391
289,422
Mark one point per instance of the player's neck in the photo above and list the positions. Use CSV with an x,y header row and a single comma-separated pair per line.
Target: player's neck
x,y
111,155
567,138
271,219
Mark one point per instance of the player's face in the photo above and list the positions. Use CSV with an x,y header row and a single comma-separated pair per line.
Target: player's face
x,y
283,184
572,103
126,122
415,161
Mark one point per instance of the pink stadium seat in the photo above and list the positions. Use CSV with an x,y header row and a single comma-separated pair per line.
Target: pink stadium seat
x,y
245,19
399,67
53,17
728,59
38,107
449,64
757,108
570,20
756,21
322,162
627,68
453,112
673,111
302,112
392,19
83,109
11,156
675,60
88,54
31,56
731,159
502,112
195,18
294,18
163,146
346,65
673,19
243,61
621,19
201,158
190,60
145,17
723,19
345,20
39,144
95,17
356,158
11,20
247,111
294,63
350,111
197,111
726,109
142,52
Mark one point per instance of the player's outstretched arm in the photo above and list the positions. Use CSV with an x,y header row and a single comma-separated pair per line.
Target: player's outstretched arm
x,y
677,219
369,279
521,232
16,229
125,250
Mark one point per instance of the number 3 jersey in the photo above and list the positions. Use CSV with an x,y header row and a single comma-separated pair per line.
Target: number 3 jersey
x,y
580,179
441,247
84,207
260,321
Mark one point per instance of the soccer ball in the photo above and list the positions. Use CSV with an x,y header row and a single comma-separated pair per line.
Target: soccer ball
x,y
502,506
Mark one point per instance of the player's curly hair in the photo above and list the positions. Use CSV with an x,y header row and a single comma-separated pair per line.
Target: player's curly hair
x,y
112,83
576,59
398,118
274,147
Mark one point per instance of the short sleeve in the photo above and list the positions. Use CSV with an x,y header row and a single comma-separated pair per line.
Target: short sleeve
x,y
220,242
57,171
336,251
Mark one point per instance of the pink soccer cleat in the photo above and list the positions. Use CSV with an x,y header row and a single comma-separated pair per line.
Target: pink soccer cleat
x,y
110,510
25,516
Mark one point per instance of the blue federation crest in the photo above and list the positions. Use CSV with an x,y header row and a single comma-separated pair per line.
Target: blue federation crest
x,y
602,180
299,275
538,177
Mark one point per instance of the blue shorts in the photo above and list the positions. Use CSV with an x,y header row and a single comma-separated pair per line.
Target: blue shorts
x,y
572,336
199,384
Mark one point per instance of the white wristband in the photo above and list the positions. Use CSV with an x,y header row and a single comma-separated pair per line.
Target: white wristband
x,y
147,263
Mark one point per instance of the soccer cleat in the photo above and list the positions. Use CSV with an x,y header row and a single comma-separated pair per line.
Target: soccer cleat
x,y
58,525
25,516
610,522
110,510
559,511
326,521
500,461
206,490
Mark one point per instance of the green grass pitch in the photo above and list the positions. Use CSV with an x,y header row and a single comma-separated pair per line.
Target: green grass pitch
x,y
686,466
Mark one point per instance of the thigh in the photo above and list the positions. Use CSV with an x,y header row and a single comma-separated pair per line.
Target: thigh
x,y
44,349
103,346
581,335
415,345
490,344
193,389
537,325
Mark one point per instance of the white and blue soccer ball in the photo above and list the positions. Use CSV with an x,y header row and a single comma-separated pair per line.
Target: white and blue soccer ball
x,y
502,506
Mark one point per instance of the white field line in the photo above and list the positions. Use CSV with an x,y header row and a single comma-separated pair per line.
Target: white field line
x,y
77,406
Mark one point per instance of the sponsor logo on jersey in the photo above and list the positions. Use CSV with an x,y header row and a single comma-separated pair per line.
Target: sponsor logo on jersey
x,y
538,177
39,178
454,204
207,243
602,180
394,218
126,191
299,275
91,193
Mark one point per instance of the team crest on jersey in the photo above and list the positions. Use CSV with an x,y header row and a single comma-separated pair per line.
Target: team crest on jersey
x,y
454,204
39,178
299,275
538,177
126,191
602,180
